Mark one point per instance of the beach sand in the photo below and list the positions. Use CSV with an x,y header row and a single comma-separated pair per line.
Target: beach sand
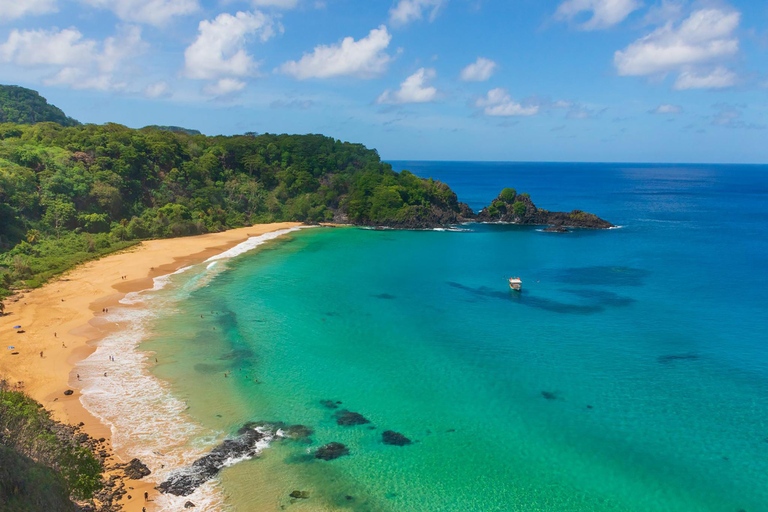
x,y
61,322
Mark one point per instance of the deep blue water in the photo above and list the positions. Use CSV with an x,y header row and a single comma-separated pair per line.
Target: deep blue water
x,y
631,374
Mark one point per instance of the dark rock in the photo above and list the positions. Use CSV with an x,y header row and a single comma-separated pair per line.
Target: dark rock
x,y
136,470
349,498
549,395
516,208
296,432
183,482
590,407
329,404
347,418
677,357
300,495
556,229
189,504
102,439
394,438
331,451
69,392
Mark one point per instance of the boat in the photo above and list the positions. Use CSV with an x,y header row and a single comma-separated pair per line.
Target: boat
x,y
516,284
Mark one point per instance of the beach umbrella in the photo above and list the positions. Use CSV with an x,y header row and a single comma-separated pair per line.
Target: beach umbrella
x,y
17,327
11,348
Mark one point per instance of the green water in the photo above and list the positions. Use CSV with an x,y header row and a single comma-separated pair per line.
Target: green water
x,y
586,392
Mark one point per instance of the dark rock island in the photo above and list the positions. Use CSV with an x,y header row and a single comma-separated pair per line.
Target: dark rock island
x,y
513,208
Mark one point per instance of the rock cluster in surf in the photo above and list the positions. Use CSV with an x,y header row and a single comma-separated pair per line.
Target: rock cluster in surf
x,y
184,481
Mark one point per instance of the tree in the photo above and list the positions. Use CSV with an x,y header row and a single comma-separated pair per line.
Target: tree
x,y
519,208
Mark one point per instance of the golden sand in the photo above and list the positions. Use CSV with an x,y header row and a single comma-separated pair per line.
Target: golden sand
x,y
62,327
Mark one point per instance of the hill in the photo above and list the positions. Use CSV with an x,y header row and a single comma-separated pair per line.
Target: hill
x,y
25,106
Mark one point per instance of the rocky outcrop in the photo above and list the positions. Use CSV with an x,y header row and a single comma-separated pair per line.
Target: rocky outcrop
x,y
331,451
136,470
394,438
244,446
347,418
513,208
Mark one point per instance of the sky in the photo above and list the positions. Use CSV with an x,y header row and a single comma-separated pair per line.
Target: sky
x,y
515,80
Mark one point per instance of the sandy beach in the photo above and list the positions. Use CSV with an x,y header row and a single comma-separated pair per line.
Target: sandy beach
x,y
61,323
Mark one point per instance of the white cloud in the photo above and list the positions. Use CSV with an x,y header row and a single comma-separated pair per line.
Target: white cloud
x,y
157,90
153,12
407,11
414,89
280,4
604,13
704,37
219,50
667,109
479,71
498,102
719,78
365,58
74,61
223,87
14,9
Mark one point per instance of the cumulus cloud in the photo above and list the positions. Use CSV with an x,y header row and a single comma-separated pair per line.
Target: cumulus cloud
x,y
153,12
604,13
706,36
157,90
407,11
14,9
414,89
219,49
499,103
72,60
224,86
479,71
365,58
718,78
667,109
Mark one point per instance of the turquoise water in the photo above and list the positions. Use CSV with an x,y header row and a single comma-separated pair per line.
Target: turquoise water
x,y
629,375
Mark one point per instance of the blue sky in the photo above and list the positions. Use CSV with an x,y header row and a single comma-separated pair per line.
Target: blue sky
x,y
567,80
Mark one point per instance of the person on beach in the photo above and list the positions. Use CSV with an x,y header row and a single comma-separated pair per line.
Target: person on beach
x,y
105,374
78,376
41,354
146,496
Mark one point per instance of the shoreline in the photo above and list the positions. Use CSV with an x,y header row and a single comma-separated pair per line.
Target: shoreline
x,y
63,324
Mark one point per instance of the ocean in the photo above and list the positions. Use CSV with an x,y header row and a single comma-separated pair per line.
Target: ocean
x,y
631,373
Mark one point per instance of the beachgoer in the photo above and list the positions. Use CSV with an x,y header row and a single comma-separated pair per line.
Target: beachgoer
x,y
78,376
146,496
41,353
55,335
105,374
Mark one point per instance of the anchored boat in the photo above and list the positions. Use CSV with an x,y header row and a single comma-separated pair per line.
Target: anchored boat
x,y
516,284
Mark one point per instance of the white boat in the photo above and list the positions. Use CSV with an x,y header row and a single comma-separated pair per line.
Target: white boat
x,y
516,284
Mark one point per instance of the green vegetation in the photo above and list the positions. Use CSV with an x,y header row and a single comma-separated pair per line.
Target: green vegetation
x,y
518,208
175,129
26,486
68,194
508,195
28,430
25,106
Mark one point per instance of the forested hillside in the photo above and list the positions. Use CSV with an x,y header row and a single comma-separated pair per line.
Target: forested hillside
x,y
25,106
71,193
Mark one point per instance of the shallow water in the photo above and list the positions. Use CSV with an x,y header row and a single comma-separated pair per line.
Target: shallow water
x,y
629,375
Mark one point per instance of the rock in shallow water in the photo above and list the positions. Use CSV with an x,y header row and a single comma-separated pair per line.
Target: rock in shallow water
x,y
245,446
331,451
394,438
347,418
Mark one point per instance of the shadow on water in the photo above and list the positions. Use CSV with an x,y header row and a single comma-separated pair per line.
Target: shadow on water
x,y
599,299
671,358
599,276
